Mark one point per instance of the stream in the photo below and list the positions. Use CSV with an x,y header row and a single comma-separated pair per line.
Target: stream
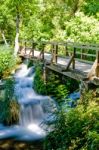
x,y
36,111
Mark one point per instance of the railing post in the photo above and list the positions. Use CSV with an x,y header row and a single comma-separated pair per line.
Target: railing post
x,y
97,67
25,47
43,46
66,50
81,53
41,55
55,53
97,56
33,47
52,58
73,62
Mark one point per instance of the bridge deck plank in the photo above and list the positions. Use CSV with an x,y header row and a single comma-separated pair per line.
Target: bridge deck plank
x,y
84,67
81,66
75,74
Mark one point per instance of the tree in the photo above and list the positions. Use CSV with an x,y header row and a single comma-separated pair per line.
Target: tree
x,y
17,8
4,20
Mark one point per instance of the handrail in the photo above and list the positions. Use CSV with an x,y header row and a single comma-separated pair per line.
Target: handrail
x,y
92,47
72,49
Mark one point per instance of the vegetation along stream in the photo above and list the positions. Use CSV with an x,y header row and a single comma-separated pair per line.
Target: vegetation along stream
x,y
36,111
39,122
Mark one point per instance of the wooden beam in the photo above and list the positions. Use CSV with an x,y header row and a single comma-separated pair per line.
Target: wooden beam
x,y
73,61
41,55
97,56
69,63
55,53
66,50
33,47
97,65
25,47
81,53
74,74
92,71
43,48
52,58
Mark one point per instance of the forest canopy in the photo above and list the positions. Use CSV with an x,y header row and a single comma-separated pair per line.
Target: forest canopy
x,y
60,20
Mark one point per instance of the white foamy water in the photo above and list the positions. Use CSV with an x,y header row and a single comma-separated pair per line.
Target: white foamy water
x,y
36,111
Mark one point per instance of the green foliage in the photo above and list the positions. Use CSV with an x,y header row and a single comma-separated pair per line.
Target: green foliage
x,y
9,108
9,111
30,63
76,129
56,88
53,86
7,61
82,29
38,83
61,91
91,7
52,83
93,140
73,20
86,98
71,84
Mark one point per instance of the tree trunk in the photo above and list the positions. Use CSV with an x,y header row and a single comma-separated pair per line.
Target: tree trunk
x,y
4,38
17,33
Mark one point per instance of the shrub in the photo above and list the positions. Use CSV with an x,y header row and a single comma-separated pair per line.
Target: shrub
x,y
56,88
76,129
9,108
38,83
7,61
9,112
54,85
30,63
82,29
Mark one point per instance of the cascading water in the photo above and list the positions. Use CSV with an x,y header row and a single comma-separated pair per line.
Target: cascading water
x,y
36,111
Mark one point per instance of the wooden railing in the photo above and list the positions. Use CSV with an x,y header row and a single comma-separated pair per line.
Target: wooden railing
x,y
87,53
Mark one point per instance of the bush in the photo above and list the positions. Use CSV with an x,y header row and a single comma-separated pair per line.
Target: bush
x,y
56,88
54,85
9,108
7,61
82,29
9,112
76,129
38,83
30,63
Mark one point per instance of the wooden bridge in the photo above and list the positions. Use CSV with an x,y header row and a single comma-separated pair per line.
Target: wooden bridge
x,y
78,61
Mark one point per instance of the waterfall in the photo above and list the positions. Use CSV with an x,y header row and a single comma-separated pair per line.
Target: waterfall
x,y
36,111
